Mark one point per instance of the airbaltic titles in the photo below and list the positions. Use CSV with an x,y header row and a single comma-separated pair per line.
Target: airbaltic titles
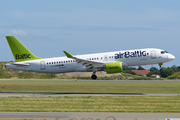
x,y
130,54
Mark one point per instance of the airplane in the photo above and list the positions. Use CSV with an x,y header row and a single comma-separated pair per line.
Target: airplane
x,y
110,62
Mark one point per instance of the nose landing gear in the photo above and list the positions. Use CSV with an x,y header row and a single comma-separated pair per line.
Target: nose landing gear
x,y
160,64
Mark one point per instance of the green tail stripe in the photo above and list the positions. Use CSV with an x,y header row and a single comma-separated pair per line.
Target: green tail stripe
x,y
20,52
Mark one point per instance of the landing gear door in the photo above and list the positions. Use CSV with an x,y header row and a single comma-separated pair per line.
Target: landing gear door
x,y
42,65
153,54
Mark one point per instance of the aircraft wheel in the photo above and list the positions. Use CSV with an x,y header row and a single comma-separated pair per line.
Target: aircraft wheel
x,y
93,77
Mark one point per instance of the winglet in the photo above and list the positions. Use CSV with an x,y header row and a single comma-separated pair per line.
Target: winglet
x,y
67,54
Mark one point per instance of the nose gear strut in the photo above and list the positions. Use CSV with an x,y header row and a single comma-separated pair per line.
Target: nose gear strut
x,y
160,64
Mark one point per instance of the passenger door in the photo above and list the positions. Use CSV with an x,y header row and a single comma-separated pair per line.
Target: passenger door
x,y
42,65
153,54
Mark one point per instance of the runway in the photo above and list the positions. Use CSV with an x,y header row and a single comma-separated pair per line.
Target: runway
x,y
9,94
80,115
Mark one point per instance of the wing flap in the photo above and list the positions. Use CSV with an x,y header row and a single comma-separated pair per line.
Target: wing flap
x,y
87,63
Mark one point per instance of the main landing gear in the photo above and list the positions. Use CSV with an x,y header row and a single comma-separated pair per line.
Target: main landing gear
x,y
94,76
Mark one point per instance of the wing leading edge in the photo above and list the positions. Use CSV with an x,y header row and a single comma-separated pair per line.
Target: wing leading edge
x,y
90,65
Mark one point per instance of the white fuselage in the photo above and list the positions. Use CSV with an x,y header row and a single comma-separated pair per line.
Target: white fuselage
x,y
63,64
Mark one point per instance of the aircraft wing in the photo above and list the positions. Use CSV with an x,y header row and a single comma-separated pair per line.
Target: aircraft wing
x,y
87,63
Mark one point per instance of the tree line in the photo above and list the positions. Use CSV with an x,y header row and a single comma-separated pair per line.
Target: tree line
x,y
163,72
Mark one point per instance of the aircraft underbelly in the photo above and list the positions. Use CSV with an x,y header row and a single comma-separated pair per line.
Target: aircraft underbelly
x,y
59,68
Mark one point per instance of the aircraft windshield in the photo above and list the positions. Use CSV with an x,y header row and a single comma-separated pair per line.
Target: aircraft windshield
x,y
163,52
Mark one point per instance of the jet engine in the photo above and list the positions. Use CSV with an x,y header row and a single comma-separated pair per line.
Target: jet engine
x,y
114,67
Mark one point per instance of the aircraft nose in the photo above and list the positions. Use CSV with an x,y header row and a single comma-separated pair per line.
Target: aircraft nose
x,y
171,57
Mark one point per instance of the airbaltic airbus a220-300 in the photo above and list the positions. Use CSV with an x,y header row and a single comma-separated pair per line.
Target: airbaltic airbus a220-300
x,y
111,62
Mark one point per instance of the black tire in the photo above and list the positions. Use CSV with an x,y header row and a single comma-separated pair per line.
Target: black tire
x,y
93,77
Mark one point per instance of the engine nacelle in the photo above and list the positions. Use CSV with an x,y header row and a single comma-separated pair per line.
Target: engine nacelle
x,y
115,67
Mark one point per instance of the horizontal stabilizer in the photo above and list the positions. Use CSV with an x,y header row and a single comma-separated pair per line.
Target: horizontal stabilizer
x,y
20,64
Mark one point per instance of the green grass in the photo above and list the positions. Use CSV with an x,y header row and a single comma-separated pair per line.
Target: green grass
x,y
91,104
89,86
175,76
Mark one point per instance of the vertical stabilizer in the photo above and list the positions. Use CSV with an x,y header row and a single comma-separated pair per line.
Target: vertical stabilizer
x,y
20,52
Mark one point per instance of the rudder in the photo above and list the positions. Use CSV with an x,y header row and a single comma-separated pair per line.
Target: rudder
x,y
20,52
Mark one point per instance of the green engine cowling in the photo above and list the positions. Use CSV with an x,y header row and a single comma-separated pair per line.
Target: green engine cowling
x,y
115,67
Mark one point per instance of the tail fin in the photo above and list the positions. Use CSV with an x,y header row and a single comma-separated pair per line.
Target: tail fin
x,y
20,52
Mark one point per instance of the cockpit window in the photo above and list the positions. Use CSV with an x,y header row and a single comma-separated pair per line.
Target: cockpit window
x,y
163,52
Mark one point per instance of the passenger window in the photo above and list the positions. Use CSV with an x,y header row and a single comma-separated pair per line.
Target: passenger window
x,y
101,58
112,56
94,58
49,63
97,58
90,58
52,62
